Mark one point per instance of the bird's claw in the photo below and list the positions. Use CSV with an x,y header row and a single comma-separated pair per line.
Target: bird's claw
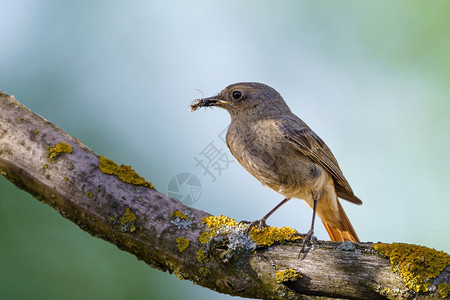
x,y
261,223
306,238
303,236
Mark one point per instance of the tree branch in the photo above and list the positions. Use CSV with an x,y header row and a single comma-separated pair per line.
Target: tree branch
x,y
113,203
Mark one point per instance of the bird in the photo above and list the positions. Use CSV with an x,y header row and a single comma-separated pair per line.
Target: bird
x,y
285,155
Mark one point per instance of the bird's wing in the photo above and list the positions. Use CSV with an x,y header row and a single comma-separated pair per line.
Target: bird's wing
x,y
310,144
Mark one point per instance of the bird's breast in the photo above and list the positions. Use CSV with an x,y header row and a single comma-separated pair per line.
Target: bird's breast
x,y
262,150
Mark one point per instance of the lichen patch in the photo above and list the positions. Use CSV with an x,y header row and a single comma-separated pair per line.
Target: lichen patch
x,y
271,235
443,290
126,222
237,235
202,256
417,265
124,172
59,148
181,220
182,243
287,275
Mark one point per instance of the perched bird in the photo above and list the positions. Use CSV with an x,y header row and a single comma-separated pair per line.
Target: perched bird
x,y
284,154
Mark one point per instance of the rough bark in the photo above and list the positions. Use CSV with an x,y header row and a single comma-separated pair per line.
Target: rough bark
x,y
144,222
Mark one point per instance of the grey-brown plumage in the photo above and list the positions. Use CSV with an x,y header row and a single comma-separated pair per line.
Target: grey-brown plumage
x,y
284,154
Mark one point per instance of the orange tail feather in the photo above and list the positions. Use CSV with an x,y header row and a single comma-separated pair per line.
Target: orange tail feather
x,y
337,235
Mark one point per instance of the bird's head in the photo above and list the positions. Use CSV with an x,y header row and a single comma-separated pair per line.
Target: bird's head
x,y
246,98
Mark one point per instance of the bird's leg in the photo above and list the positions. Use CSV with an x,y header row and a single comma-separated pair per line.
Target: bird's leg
x,y
261,223
311,230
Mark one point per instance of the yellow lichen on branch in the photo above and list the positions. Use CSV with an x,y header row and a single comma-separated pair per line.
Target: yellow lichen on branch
x,y
266,236
126,222
287,275
202,256
182,243
417,265
214,223
124,172
180,215
54,152
271,235
443,290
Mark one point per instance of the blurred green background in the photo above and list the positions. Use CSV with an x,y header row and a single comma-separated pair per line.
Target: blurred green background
x,y
372,79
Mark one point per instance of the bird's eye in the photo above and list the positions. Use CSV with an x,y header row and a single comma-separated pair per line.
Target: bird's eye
x,y
237,95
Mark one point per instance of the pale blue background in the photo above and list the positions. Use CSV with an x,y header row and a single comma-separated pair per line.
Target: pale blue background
x,y
372,79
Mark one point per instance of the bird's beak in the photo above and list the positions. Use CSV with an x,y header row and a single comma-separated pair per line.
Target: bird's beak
x,y
205,102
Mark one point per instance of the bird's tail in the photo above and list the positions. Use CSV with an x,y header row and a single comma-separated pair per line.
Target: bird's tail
x,y
337,235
